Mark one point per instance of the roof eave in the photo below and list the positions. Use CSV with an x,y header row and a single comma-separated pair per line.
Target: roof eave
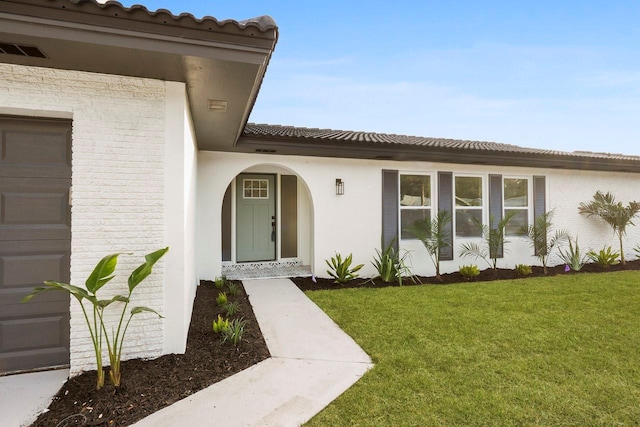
x,y
369,151
221,62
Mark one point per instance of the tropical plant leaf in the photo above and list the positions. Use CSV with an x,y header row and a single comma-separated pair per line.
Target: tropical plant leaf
x,y
102,273
51,285
144,270
119,298
138,310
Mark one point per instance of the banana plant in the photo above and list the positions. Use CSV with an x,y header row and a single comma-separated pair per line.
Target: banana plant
x,y
102,274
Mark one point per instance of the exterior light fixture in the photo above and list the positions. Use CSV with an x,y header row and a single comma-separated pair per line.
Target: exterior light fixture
x,y
339,187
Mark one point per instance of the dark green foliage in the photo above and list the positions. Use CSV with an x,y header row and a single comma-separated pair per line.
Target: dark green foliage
x,y
341,269
234,332
102,274
572,256
543,239
523,270
618,216
391,266
605,258
434,236
231,308
493,241
232,289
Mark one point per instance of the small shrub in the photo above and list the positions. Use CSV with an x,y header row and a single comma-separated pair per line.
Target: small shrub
x,y
636,249
572,256
469,271
221,299
220,282
605,258
523,270
234,332
220,324
232,288
231,308
391,266
341,269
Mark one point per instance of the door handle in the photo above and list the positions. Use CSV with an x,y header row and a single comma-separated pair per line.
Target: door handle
x,y
273,228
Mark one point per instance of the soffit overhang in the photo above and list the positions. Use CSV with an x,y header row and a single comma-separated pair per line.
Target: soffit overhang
x,y
218,60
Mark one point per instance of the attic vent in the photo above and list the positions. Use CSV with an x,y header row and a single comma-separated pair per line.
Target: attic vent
x,y
383,158
265,150
217,105
21,50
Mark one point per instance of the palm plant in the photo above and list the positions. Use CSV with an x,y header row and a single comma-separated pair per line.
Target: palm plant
x,y
494,240
434,235
543,239
613,213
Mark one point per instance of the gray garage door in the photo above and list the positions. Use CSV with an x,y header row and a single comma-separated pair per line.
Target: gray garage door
x,y
35,242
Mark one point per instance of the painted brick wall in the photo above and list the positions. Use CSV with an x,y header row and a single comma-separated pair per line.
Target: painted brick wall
x,y
118,183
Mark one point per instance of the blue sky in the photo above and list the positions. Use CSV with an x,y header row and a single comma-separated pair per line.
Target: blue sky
x,y
548,74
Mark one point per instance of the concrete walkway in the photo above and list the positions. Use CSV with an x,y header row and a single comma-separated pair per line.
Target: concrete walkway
x,y
313,362
24,396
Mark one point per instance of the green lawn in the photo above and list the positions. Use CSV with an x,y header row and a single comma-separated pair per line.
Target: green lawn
x,y
562,350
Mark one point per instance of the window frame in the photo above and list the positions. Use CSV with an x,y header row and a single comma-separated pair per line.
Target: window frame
x,y
432,201
528,208
482,207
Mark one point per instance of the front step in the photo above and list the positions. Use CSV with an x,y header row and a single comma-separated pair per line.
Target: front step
x,y
265,270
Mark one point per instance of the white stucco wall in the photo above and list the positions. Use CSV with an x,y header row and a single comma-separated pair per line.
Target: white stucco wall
x,y
121,130
180,212
352,223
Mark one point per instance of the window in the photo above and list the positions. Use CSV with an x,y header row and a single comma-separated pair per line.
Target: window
x,y
516,203
468,195
255,188
415,202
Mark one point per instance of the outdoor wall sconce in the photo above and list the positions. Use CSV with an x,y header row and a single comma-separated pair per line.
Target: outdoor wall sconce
x,y
339,187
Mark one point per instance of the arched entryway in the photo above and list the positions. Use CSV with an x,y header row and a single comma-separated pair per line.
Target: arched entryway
x,y
266,224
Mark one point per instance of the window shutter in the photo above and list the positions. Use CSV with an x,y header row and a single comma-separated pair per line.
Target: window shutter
x,y
390,207
445,203
495,207
539,198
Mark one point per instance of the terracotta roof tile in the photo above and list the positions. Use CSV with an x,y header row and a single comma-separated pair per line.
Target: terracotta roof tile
x,y
310,135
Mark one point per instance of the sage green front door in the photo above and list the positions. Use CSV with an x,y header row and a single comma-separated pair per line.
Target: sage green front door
x,y
256,218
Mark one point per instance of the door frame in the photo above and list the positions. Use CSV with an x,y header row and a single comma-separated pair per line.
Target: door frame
x,y
276,213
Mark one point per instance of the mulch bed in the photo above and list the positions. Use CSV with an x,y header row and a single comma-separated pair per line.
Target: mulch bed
x,y
314,284
150,385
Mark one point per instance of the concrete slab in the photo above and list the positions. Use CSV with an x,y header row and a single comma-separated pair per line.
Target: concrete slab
x,y
313,362
24,396
294,327
275,392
